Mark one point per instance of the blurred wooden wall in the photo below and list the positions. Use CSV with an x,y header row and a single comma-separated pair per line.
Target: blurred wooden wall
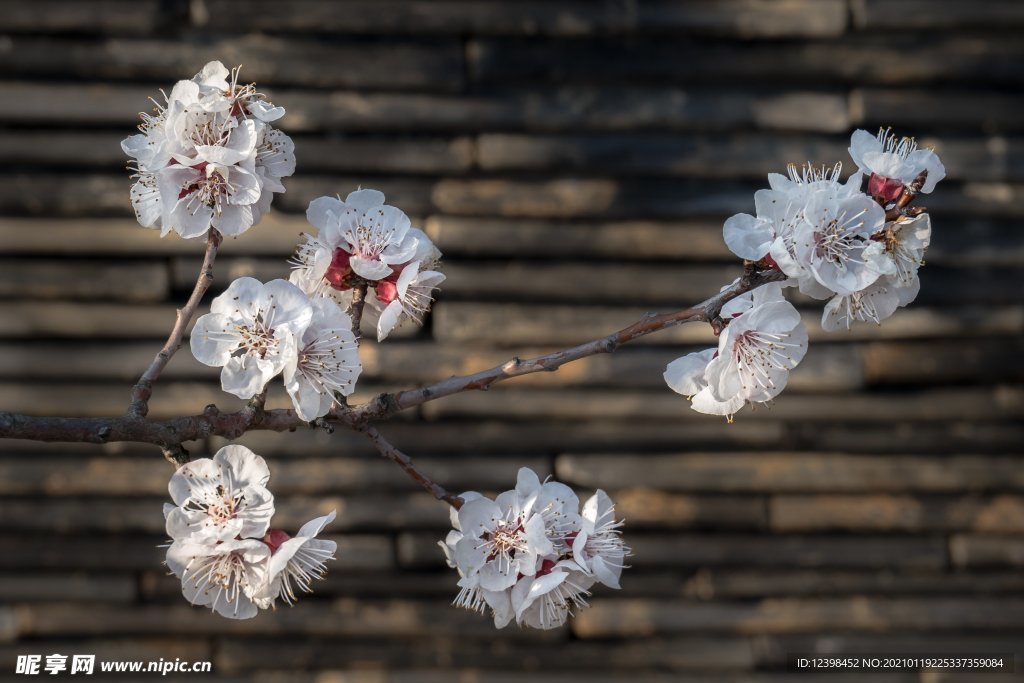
x,y
574,161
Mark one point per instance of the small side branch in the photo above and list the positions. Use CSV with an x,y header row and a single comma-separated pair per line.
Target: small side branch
x,y
385,405
143,389
908,195
358,303
396,456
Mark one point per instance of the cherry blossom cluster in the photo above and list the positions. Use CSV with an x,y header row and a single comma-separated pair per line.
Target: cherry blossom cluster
x,y
223,548
208,157
833,241
531,554
255,331
364,242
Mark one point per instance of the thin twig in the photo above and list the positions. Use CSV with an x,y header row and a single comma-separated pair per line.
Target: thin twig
x,y
388,404
908,195
143,389
405,462
356,310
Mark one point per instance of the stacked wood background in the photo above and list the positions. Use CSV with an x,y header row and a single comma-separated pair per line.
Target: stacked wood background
x,y
574,161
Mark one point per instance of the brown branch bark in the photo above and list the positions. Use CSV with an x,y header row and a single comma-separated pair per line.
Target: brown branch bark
x,y
386,405
396,456
908,195
356,310
171,433
143,389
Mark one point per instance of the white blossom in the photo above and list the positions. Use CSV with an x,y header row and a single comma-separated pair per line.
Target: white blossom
x,y
326,362
598,548
208,157
875,303
898,250
529,555
221,498
409,298
826,249
252,331
359,239
224,576
546,600
891,163
763,341
779,210
501,540
295,561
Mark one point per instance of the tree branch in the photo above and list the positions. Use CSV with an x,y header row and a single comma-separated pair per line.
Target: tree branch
x,y
909,193
386,405
358,303
143,389
405,462
171,433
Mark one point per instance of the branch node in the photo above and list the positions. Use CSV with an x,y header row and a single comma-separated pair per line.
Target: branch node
x,y
103,433
176,455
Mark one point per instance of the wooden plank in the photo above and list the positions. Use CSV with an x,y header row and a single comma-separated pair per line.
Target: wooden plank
x,y
173,399
610,198
490,658
933,404
70,16
975,110
80,195
519,325
740,18
125,552
738,155
385,154
943,361
345,617
621,618
89,280
741,583
91,360
964,243
674,285
897,513
476,237
276,235
85,587
589,197
65,319
834,367
952,436
680,551
570,107
651,284
56,476
853,60
127,648
616,108
315,153
502,437
268,60
119,553
782,472
974,551
772,650
936,15
649,507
